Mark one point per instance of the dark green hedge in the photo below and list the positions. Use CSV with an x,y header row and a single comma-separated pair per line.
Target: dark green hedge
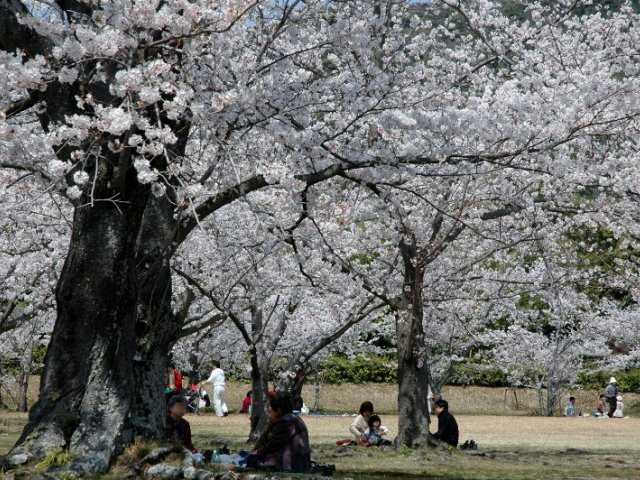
x,y
628,381
339,369
473,374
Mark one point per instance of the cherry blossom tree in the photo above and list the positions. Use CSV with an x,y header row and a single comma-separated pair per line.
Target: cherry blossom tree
x,y
283,316
459,121
152,117
32,244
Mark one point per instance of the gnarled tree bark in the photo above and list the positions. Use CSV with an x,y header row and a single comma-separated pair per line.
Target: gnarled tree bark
x,y
413,368
85,392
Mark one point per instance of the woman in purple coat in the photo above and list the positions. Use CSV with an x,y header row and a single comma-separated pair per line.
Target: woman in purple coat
x,y
285,444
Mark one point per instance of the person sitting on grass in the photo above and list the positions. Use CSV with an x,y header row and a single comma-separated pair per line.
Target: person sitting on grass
x,y
601,407
571,411
361,423
372,437
285,444
178,429
447,425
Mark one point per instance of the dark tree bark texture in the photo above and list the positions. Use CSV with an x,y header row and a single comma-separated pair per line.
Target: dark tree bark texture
x,y
413,368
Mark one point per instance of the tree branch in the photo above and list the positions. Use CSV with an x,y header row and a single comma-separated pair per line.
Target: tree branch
x,y
15,36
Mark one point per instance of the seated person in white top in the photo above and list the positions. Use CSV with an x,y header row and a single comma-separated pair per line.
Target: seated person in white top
x,y
361,423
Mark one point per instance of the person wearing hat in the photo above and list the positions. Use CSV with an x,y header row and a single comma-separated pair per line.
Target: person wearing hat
x,y
611,392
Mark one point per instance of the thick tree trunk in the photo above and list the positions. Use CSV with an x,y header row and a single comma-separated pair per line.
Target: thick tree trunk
x,y
259,397
104,371
103,376
156,326
87,383
413,368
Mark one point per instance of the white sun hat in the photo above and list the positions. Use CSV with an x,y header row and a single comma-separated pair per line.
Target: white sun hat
x,y
612,380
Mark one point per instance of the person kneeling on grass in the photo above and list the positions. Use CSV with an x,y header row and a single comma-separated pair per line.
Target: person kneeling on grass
x,y
285,444
372,437
447,425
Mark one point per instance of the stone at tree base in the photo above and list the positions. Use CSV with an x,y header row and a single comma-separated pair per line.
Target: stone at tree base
x,y
19,459
162,471
203,475
157,455
190,473
227,476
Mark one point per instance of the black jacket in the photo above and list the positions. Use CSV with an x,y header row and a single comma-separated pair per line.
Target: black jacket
x,y
179,432
447,429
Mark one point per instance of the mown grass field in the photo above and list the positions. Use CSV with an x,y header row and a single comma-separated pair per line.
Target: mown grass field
x,y
464,400
513,444
511,448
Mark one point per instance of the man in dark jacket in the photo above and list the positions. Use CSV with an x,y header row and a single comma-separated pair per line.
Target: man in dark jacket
x,y
447,425
611,392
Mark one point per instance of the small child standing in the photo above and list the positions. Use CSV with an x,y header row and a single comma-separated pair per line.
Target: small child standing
x,y
372,437
619,412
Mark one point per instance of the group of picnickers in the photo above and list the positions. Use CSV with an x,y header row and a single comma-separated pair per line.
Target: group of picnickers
x,y
284,446
367,429
610,404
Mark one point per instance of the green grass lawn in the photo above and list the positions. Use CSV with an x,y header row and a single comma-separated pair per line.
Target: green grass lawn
x,y
513,444
464,400
511,448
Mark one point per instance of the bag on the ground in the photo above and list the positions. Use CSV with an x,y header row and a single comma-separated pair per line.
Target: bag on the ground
x,y
324,469
469,445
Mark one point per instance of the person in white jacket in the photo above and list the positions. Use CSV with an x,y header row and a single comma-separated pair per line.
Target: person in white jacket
x,y
217,380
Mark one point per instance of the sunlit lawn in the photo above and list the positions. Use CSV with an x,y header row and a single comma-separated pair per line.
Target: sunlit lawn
x,y
537,433
512,448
